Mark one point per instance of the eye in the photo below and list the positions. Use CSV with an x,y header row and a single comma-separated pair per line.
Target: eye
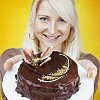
x,y
61,20
43,19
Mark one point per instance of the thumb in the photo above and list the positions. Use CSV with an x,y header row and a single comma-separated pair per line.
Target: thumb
x,y
8,65
89,74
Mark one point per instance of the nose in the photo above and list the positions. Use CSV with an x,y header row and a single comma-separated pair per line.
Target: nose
x,y
52,29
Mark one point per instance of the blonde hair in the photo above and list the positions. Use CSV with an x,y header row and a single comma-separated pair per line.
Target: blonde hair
x,y
66,9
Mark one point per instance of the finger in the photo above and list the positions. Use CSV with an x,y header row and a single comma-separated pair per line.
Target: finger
x,y
8,65
89,74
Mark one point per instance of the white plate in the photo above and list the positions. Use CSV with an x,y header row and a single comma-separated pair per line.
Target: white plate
x,y
9,85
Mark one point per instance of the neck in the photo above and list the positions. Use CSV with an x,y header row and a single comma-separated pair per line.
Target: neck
x,y
56,48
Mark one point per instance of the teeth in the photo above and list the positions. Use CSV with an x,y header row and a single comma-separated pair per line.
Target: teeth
x,y
52,37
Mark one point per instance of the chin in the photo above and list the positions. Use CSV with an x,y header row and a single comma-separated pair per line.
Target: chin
x,y
50,44
55,46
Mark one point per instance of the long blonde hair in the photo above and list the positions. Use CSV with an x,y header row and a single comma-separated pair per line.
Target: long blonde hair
x,y
66,9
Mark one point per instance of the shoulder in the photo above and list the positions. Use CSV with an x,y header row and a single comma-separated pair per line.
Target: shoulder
x,y
90,57
12,51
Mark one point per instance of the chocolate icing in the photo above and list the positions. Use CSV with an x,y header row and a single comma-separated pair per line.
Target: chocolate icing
x,y
30,87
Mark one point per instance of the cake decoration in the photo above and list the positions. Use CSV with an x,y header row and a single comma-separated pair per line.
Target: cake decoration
x,y
34,60
56,75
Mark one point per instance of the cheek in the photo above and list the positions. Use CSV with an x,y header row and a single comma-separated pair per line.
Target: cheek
x,y
66,30
38,27
37,30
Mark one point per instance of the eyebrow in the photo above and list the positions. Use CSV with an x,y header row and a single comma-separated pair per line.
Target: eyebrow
x,y
43,15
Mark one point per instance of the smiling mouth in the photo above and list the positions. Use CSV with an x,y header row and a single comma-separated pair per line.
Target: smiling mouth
x,y
52,37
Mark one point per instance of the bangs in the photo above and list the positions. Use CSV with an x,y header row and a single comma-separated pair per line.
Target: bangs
x,y
64,8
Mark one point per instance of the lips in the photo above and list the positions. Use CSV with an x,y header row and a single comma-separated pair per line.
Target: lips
x,y
52,37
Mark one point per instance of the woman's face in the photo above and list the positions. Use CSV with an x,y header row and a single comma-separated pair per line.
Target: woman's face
x,y
50,28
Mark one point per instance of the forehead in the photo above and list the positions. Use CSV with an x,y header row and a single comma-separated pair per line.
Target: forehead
x,y
45,8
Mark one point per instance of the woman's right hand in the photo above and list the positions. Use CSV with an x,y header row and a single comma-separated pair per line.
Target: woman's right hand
x,y
8,65
11,61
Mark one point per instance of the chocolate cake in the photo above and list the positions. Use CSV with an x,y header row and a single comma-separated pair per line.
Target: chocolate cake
x,y
54,79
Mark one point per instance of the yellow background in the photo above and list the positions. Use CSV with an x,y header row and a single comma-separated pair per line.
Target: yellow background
x,y
14,17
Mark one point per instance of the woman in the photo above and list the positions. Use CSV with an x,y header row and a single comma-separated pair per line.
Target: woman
x,y
53,23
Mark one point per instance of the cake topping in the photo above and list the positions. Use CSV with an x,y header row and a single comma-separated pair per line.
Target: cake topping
x,y
39,60
57,74
35,60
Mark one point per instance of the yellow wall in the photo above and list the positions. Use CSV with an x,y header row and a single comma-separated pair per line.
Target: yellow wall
x,y
14,16
13,21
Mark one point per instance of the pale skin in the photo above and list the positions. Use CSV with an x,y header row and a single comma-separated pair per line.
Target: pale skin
x,y
52,30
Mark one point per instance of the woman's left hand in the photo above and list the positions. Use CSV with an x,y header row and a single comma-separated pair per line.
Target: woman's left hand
x,y
91,70
90,67
91,73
